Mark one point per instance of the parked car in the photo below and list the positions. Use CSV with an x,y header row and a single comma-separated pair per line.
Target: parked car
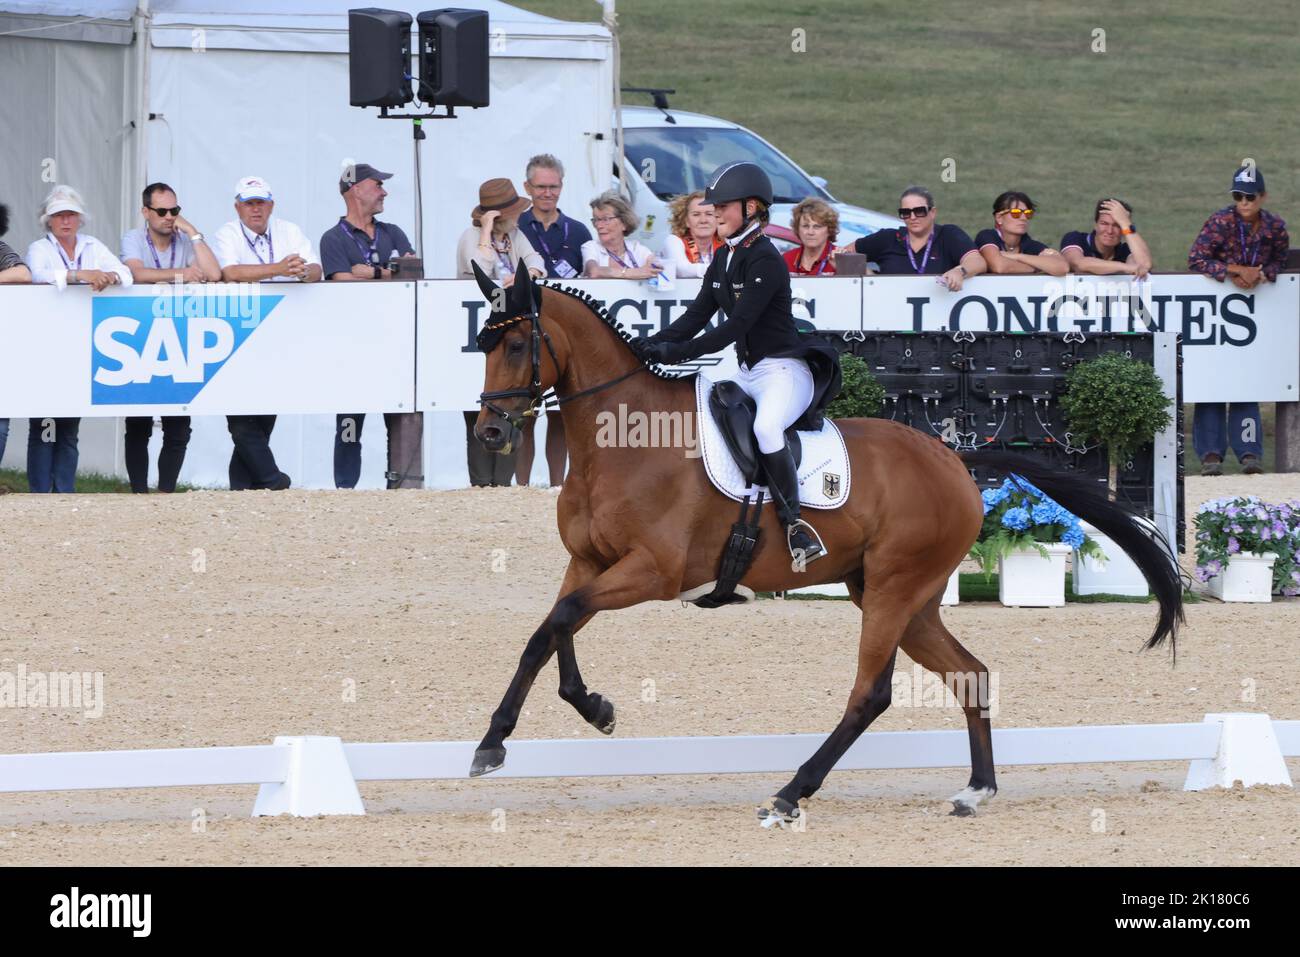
x,y
666,159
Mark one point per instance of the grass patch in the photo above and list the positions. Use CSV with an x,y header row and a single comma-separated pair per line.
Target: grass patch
x,y
15,480
1013,94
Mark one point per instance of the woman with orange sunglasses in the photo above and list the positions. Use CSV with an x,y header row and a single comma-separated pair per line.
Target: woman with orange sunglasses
x,y
1008,248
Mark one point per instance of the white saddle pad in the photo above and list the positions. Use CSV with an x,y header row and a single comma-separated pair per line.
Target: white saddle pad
x,y
823,466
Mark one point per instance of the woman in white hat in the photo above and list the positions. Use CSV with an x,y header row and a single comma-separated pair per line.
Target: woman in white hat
x,y
63,255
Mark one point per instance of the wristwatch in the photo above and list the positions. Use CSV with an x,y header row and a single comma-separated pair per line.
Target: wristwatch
x,y
1128,232
964,273
196,238
379,273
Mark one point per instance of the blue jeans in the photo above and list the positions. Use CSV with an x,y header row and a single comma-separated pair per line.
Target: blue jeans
x,y
52,464
4,436
1245,429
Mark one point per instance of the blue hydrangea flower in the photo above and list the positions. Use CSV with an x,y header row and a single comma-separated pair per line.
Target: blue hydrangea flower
x,y
1045,513
1016,519
1073,536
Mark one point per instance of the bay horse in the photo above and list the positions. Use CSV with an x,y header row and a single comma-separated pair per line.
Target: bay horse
x,y
645,524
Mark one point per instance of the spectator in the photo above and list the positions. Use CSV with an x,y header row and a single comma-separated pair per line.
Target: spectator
x,y
693,235
166,236
817,224
611,255
494,240
245,249
62,257
921,247
12,269
358,248
1113,247
1246,242
496,244
1008,248
559,239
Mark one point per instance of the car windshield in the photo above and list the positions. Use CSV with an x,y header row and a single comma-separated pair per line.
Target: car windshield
x,y
676,160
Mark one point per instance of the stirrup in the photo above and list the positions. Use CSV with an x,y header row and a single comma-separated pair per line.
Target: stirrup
x,y
816,549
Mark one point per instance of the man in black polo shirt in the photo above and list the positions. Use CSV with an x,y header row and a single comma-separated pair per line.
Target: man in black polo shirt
x,y
1112,248
558,239
359,248
922,247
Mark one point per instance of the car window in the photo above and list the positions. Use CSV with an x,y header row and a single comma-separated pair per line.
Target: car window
x,y
677,160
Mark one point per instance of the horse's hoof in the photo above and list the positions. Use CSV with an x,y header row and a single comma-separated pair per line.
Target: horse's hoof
x,y
487,760
965,801
960,809
777,811
604,720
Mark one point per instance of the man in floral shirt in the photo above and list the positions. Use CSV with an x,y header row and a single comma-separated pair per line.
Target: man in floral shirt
x,y
1247,244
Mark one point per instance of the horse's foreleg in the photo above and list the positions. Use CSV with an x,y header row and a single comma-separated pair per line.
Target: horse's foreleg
x,y
632,579
931,645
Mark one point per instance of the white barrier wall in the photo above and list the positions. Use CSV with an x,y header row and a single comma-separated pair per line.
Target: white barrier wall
x,y
308,352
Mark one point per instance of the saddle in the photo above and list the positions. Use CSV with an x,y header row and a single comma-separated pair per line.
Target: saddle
x,y
734,410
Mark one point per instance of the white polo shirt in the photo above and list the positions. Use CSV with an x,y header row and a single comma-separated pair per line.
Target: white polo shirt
x,y
50,264
234,244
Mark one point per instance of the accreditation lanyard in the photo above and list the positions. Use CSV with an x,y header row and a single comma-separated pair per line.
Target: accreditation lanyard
x,y
369,252
1254,254
911,257
823,261
157,263
503,254
631,264
59,250
252,244
540,230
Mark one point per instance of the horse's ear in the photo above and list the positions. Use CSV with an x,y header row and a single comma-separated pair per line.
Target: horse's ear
x,y
521,291
491,291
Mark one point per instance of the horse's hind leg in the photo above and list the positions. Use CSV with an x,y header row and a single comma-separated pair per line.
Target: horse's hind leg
x,y
629,581
931,645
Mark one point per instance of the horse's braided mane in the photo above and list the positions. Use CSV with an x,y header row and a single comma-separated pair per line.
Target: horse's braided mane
x,y
590,301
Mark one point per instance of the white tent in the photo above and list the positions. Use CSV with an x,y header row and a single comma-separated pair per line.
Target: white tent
x,y
109,96
198,93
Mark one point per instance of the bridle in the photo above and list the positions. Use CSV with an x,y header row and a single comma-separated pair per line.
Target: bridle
x,y
490,338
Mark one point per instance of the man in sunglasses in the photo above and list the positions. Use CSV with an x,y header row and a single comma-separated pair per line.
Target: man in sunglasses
x,y
1008,248
165,248
922,247
1112,248
1245,243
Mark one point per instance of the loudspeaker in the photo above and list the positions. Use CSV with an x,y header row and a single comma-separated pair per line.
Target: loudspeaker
x,y
454,57
379,57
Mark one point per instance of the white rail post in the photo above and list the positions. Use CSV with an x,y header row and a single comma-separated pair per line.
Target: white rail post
x,y
319,781
1248,752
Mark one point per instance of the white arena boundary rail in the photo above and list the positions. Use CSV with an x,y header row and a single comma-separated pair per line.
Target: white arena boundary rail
x,y
308,776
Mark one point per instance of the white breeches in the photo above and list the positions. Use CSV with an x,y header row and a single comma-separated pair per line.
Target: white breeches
x,y
782,389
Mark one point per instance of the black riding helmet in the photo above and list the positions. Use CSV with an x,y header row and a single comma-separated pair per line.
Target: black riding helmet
x,y
742,181
738,181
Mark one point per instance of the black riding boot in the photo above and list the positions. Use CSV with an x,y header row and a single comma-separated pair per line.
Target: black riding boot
x,y
783,483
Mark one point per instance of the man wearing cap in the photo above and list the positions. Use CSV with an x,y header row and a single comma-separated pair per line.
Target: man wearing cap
x,y
359,248
255,248
1245,243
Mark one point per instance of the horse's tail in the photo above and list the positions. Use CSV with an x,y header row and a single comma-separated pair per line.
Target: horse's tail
x,y
1129,530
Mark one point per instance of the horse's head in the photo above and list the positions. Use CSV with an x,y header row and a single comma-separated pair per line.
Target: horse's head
x,y
519,370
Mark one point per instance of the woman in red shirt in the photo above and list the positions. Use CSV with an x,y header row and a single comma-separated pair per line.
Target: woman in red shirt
x,y
816,224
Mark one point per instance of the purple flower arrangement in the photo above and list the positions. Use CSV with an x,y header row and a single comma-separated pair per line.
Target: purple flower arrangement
x,y
1228,526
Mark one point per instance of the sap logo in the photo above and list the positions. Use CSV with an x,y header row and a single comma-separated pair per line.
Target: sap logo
x,y
164,350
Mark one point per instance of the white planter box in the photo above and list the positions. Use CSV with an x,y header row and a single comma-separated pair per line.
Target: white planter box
x,y
1027,579
950,593
1248,576
830,590
1118,575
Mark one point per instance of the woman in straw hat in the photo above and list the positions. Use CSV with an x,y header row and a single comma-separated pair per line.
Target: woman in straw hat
x,y
494,241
